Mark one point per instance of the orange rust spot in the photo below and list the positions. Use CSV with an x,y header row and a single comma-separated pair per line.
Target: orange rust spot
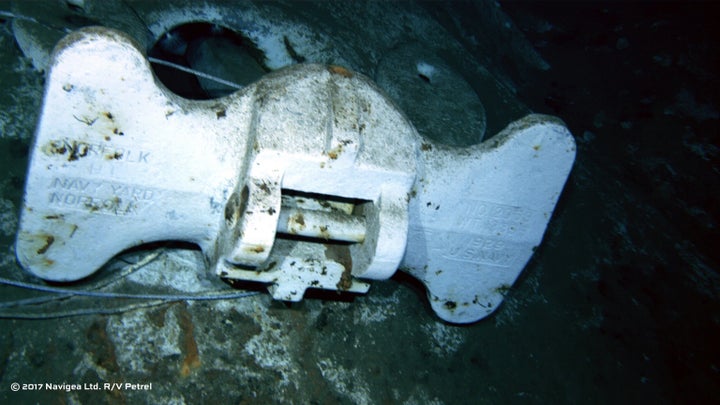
x,y
49,239
100,346
189,345
345,280
299,219
335,152
339,70
255,249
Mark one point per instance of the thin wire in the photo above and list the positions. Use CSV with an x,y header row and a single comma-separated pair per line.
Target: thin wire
x,y
33,301
19,17
65,293
151,59
214,295
26,18
127,270
195,72
81,311
104,283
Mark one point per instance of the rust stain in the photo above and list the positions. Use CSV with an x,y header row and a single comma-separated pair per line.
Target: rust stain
x,y
55,148
299,220
335,152
339,70
189,345
264,187
345,280
100,346
157,318
255,249
49,240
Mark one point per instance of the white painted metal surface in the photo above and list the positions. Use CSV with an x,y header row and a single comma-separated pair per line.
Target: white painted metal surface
x,y
308,178
480,213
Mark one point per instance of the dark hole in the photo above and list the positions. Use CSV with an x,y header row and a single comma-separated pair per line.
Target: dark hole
x,y
179,46
424,78
77,8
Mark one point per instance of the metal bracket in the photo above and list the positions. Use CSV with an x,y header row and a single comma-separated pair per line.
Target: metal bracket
x,y
308,178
